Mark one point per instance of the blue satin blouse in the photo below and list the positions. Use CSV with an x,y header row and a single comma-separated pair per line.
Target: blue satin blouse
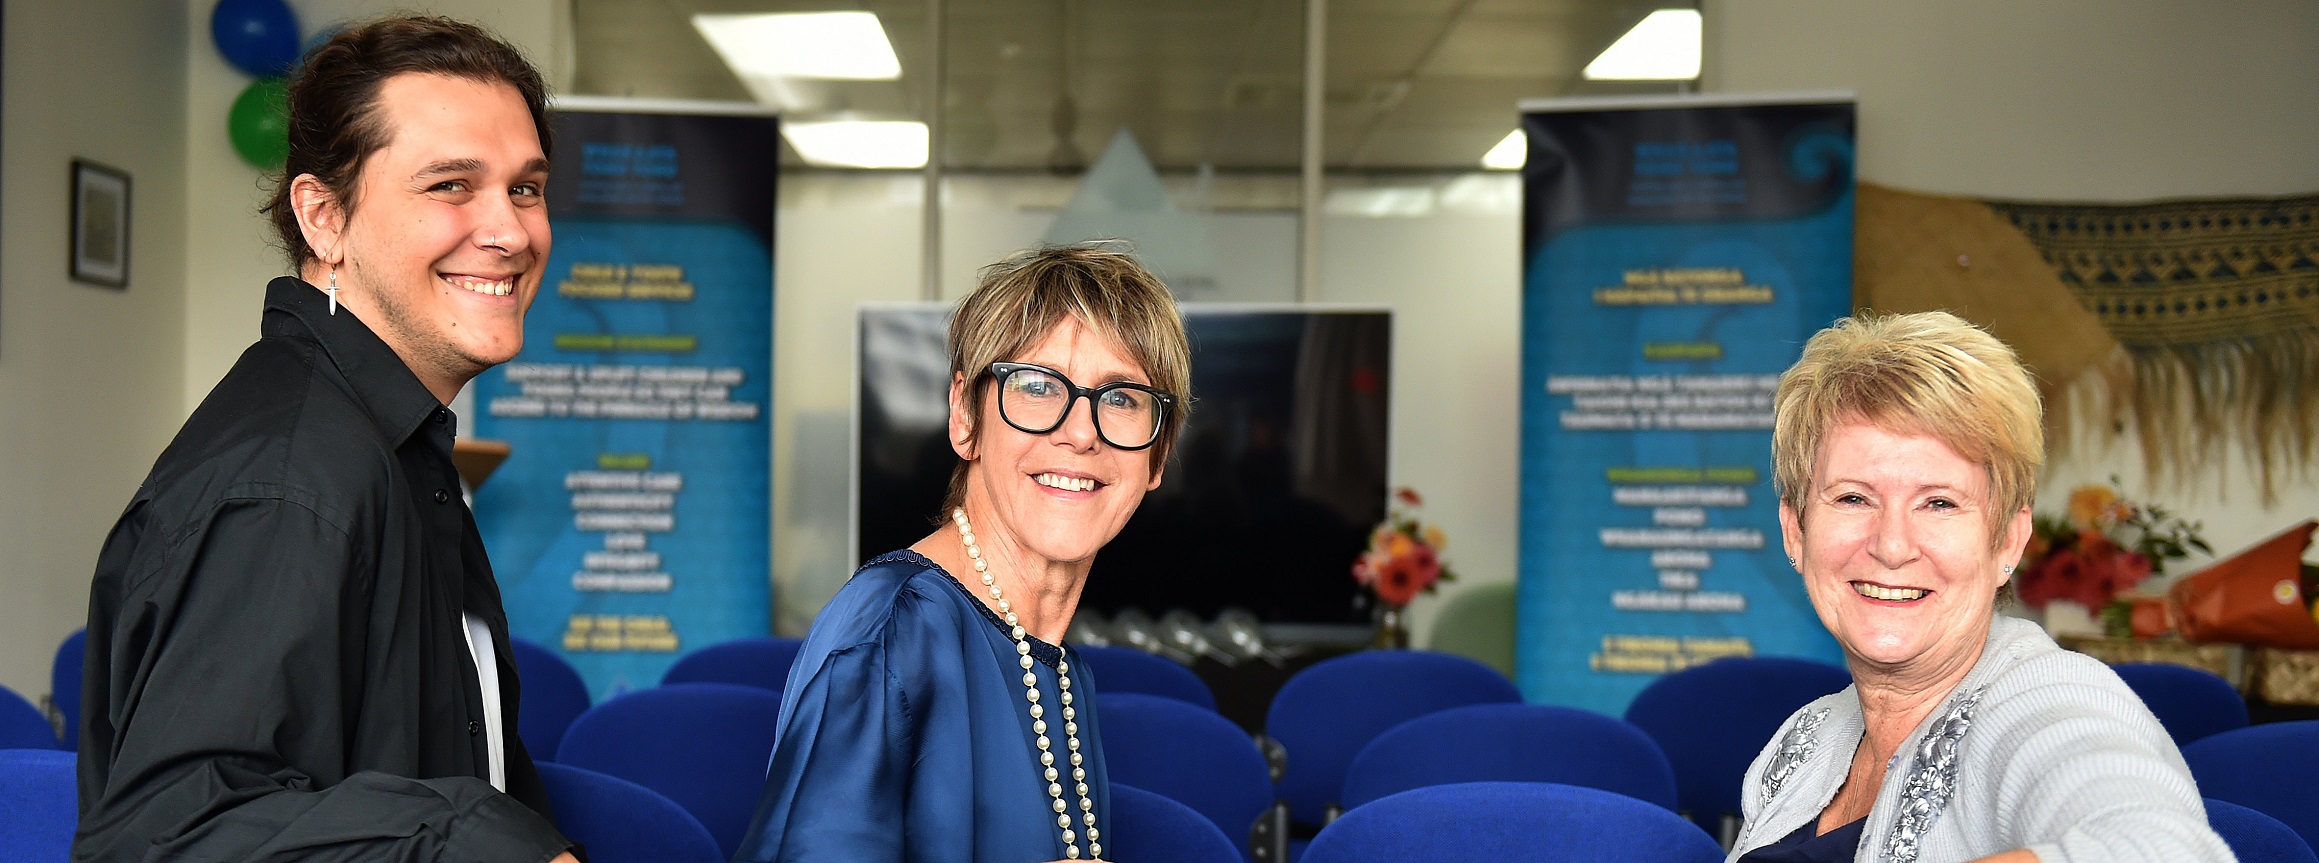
x,y
905,735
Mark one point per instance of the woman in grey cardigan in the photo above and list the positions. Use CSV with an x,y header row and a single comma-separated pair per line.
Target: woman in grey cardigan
x,y
1906,450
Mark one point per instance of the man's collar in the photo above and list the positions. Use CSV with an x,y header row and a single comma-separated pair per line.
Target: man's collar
x,y
387,388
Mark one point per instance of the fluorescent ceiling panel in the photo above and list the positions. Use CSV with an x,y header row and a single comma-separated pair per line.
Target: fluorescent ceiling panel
x,y
1664,47
859,143
1509,154
824,45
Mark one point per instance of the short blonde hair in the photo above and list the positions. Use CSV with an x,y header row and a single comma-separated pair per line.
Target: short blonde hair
x,y
1024,297
1928,373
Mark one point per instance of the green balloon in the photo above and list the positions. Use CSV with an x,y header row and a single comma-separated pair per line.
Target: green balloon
x,y
259,123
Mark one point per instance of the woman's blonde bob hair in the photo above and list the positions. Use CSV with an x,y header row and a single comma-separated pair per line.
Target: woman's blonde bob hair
x,y
1928,373
1024,297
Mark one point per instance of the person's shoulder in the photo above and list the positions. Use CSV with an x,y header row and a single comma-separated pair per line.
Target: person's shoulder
x,y
898,589
2039,684
2028,660
276,427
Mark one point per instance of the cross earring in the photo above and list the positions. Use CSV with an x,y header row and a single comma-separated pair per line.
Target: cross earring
x,y
333,292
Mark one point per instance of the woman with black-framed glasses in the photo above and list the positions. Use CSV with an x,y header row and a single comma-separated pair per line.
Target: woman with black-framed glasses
x,y
934,713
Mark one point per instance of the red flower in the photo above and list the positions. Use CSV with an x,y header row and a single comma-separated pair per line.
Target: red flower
x,y
1398,583
1408,496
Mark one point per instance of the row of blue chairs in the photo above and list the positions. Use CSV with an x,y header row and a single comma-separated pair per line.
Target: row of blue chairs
x,y
1324,719
622,822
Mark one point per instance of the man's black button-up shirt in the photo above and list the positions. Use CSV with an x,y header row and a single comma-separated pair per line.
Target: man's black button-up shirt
x,y
278,665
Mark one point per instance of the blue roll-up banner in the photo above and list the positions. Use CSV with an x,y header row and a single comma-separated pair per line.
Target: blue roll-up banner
x,y
1677,252
631,520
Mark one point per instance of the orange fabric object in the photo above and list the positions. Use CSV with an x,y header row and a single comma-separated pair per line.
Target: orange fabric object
x,y
2253,597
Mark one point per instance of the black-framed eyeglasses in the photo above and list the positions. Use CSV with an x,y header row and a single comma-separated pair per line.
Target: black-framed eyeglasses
x,y
1036,400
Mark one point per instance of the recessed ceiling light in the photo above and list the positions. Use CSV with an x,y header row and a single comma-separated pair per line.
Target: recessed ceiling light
x,y
859,143
828,45
1664,47
1510,153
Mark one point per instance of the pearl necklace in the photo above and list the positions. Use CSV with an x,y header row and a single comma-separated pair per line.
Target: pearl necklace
x,y
1038,713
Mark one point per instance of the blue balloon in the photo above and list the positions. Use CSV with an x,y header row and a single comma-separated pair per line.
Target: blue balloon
x,y
257,36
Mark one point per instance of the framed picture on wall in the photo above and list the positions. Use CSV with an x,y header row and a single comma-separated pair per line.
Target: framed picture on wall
x,y
100,224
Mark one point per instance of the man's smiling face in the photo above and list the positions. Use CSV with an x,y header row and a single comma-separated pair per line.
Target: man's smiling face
x,y
448,235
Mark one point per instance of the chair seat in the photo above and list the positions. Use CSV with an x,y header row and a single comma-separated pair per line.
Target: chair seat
x,y
619,821
762,662
22,726
553,696
702,745
1512,742
1327,712
1539,822
38,806
1126,669
2269,768
1188,754
1154,829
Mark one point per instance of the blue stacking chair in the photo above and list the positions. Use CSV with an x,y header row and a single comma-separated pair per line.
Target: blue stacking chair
x,y
762,662
702,745
1711,720
1155,829
2271,768
22,726
1126,669
64,684
1190,755
1511,743
2192,703
622,822
2255,837
1324,714
38,805
553,696
1535,822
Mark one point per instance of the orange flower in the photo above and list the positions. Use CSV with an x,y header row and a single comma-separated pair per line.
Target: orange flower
x,y
1436,538
2093,507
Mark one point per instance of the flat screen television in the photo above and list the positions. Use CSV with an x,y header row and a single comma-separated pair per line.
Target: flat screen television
x,y
1268,497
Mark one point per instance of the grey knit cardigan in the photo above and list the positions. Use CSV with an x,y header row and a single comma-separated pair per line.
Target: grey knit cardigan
x,y
2038,748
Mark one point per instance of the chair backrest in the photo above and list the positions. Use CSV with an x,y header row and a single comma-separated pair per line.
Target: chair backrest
x,y
1512,743
1478,622
1711,720
762,662
1150,828
64,683
619,821
1538,822
1190,755
703,745
2270,768
553,696
38,806
2257,838
1126,669
22,726
2193,703
1327,712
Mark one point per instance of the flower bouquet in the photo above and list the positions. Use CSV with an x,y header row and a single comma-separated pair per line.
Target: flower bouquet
x,y
2104,545
1403,560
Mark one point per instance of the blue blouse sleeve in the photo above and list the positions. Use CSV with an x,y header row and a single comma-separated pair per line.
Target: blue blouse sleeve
x,y
841,760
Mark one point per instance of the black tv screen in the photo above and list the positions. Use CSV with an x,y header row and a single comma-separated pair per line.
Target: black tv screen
x,y
1268,497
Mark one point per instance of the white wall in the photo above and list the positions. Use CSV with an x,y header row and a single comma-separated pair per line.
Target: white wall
x,y
2065,100
88,375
